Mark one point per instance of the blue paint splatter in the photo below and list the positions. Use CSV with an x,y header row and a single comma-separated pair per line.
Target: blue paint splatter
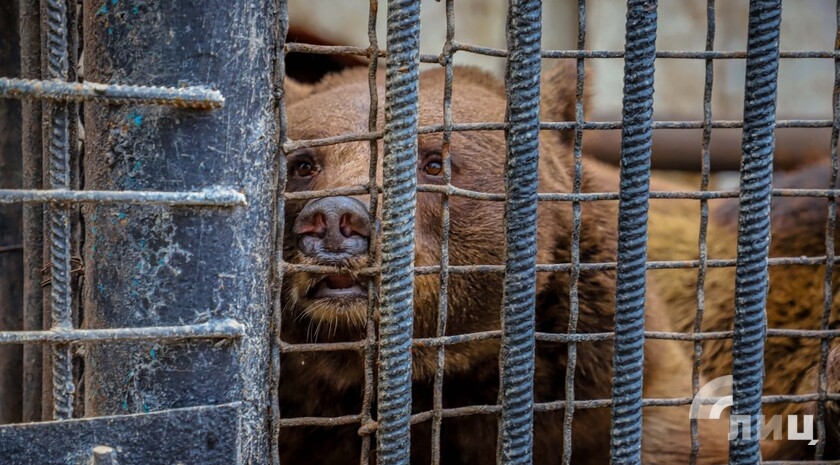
x,y
101,289
114,2
138,120
135,10
121,216
103,10
137,165
110,30
125,405
153,353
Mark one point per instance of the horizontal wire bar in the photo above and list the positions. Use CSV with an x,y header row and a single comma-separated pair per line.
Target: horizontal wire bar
x,y
538,407
216,196
294,47
286,347
453,191
338,191
298,47
558,267
217,329
291,146
194,97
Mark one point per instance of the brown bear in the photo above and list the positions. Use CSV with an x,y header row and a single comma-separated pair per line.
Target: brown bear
x,y
795,299
333,307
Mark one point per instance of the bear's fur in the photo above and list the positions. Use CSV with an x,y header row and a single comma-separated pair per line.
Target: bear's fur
x,y
331,384
794,301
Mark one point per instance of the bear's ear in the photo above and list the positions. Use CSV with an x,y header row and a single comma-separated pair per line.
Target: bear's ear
x,y
558,89
294,91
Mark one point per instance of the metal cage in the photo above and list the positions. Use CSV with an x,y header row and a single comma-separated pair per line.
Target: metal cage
x,y
165,330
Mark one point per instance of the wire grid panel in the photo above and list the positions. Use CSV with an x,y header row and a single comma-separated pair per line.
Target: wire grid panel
x,y
135,347
631,265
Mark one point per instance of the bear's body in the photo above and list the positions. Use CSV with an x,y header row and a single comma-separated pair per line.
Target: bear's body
x,y
795,299
333,309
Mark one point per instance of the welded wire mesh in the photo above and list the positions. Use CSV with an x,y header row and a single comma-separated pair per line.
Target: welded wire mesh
x,y
386,407
628,437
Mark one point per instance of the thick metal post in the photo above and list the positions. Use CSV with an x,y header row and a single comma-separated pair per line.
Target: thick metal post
x,y
636,133
522,82
399,196
751,273
151,265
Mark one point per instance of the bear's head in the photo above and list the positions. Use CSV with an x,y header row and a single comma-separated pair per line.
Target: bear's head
x,y
337,231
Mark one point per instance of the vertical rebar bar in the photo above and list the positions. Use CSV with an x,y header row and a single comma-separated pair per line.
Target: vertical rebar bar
x,y
399,196
59,216
636,133
522,85
751,273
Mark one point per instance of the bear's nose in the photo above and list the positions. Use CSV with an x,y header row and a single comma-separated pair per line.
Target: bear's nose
x,y
333,229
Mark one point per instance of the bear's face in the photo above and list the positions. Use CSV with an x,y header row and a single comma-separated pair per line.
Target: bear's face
x,y
337,230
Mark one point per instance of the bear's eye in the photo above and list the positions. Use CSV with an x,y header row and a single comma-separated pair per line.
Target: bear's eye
x,y
302,166
434,168
304,169
433,165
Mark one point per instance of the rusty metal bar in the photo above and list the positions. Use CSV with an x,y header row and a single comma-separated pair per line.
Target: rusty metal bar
x,y
549,53
214,196
574,277
370,344
195,97
443,297
221,329
453,191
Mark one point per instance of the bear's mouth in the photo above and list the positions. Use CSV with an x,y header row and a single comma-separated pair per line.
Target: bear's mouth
x,y
338,286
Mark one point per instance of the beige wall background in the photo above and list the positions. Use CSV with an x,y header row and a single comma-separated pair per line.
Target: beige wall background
x,y
805,85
